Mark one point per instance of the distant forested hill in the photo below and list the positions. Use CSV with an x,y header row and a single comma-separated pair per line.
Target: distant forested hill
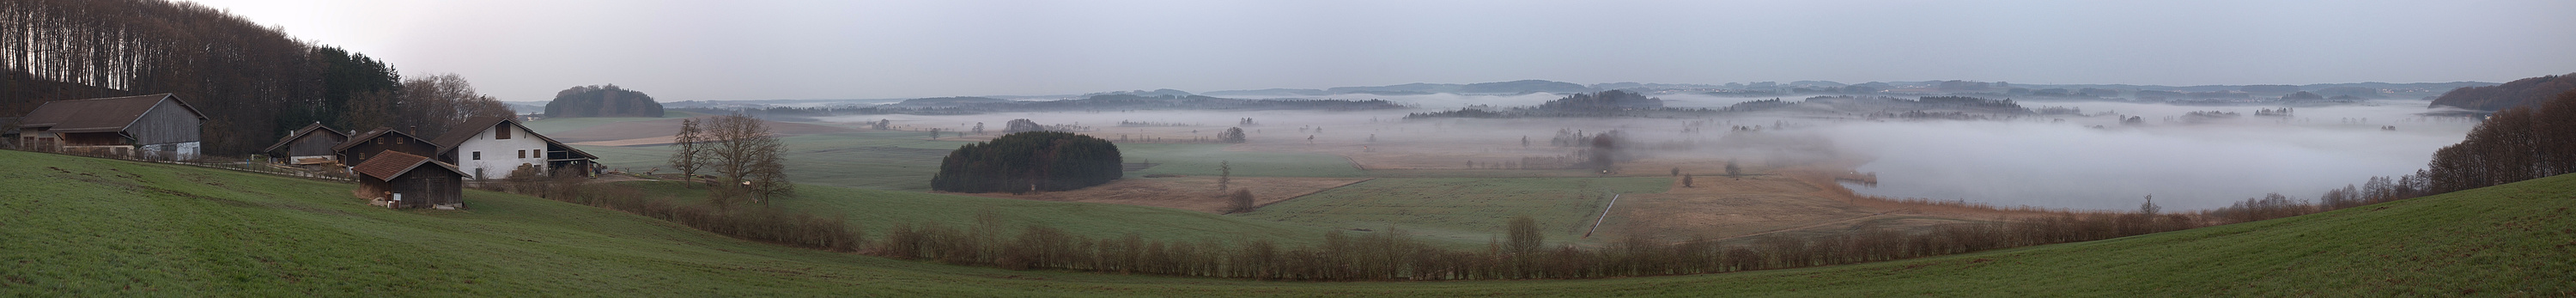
x,y
602,101
2518,93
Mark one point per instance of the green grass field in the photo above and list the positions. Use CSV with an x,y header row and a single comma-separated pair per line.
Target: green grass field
x,y
1470,210
90,227
904,160
553,125
1202,160
879,209
872,160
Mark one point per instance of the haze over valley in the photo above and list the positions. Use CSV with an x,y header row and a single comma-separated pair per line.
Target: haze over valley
x,y
1286,148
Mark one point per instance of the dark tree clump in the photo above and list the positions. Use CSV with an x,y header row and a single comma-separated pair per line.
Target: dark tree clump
x,y
1231,135
602,101
1026,161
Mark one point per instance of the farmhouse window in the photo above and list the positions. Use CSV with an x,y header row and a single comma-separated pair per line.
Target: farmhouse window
x,y
523,154
501,132
478,155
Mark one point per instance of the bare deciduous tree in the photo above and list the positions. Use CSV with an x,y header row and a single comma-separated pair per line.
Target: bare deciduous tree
x,y
687,151
743,150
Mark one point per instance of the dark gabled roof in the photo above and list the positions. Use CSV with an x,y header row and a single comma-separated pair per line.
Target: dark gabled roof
x,y
98,114
393,164
300,133
457,135
372,134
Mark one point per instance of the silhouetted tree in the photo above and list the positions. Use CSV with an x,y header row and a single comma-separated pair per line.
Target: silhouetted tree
x,y
688,153
1231,135
1240,201
747,155
1523,236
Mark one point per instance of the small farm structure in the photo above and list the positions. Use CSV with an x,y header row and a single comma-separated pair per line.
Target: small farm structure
x,y
403,181
491,147
158,126
376,142
307,146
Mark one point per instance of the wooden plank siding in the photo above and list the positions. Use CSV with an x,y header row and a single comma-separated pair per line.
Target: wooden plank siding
x,y
314,144
166,123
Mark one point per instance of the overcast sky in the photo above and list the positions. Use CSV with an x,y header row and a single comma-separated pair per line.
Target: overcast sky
x,y
523,50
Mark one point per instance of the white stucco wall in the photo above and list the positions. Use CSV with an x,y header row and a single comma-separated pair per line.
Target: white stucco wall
x,y
500,156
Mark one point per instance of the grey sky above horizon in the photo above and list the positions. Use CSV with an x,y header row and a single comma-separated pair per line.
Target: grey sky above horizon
x,y
522,50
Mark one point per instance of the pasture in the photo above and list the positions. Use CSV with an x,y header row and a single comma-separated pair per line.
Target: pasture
x,y
94,227
1459,209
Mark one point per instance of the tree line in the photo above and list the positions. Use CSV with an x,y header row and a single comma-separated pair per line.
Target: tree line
x,y
253,82
2519,143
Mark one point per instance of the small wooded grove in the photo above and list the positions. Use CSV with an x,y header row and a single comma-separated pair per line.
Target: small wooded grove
x,y
1029,161
602,101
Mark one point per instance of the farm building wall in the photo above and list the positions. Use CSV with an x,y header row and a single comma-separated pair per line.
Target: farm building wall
x,y
499,156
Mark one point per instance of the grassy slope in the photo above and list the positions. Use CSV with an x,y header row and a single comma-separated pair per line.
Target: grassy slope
x,y
116,231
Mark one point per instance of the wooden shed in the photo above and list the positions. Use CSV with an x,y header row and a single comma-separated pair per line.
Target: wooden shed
x,y
158,126
404,181
309,145
374,142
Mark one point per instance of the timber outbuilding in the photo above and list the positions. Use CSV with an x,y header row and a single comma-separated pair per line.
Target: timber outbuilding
x,y
373,143
404,181
158,127
308,146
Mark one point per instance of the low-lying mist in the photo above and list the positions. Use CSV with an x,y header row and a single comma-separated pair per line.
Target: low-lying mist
x,y
2034,160
2185,166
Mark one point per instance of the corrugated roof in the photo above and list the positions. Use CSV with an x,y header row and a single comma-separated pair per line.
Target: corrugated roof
x,y
457,135
98,114
392,164
299,133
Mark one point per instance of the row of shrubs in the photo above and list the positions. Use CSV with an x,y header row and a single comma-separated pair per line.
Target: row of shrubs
x,y
1396,255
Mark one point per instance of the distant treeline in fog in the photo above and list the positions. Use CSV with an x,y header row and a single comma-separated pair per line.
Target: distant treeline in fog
x,y
2518,93
2516,144
1106,102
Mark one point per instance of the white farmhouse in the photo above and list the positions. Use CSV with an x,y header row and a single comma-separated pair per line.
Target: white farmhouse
x,y
491,147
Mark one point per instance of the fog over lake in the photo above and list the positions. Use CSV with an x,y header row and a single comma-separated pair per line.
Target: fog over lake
x,y
2186,166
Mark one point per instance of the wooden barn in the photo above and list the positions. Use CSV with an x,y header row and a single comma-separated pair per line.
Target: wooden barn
x,y
158,126
491,147
308,146
375,142
403,181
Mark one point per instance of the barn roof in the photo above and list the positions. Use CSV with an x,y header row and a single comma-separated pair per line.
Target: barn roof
x,y
98,114
457,135
372,134
393,164
300,133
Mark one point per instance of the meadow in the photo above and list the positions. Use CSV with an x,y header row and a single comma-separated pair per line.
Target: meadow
x,y
1469,210
93,227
